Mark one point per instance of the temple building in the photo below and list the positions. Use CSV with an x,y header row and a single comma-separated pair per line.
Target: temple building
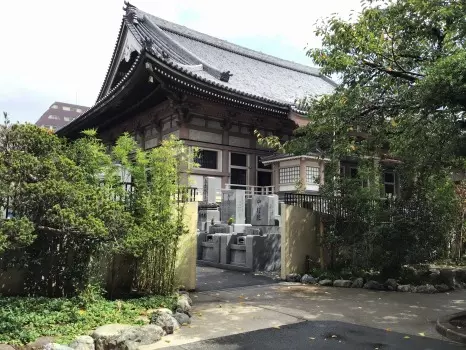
x,y
165,79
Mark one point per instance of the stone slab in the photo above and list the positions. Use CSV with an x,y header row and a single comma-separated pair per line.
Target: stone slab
x,y
233,206
264,210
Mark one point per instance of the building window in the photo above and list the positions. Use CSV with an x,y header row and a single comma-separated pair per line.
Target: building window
x,y
289,175
238,177
207,159
54,117
79,110
66,119
353,172
264,174
66,108
312,175
238,159
238,170
54,106
389,183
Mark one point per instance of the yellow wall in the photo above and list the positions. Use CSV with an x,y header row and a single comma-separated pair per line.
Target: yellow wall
x,y
185,270
299,237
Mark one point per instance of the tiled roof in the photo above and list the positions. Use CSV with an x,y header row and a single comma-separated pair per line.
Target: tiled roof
x,y
232,68
253,73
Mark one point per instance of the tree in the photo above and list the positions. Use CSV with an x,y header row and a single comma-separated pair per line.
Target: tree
x,y
60,196
159,177
402,67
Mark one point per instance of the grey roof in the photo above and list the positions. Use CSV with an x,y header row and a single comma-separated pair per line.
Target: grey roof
x,y
205,57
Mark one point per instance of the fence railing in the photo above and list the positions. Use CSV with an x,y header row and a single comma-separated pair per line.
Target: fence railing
x,y
315,202
251,190
186,195
336,206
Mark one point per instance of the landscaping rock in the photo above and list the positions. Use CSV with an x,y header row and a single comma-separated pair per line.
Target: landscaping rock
x,y
164,320
39,343
391,284
6,347
160,310
308,279
183,304
326,283
293,277
373,285
182,318
56,346
460,275
358,283
442,288
433,276
404,288
342,283
188,298
447,276
105,336
83,342
426,288
132,338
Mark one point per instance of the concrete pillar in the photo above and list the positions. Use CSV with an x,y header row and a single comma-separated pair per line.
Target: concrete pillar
x,y
185,265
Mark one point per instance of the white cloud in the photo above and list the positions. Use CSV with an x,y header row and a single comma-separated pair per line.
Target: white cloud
x,y
60,49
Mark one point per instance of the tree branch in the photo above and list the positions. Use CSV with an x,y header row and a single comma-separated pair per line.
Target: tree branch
x,y
410,76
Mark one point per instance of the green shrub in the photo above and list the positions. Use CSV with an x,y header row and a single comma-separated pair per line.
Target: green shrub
x,y
23,320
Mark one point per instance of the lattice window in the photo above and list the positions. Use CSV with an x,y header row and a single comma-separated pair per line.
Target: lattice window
x,y
207,159
312,175
289,175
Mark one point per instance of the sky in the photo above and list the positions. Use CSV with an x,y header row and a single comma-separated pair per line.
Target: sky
x,y
60,50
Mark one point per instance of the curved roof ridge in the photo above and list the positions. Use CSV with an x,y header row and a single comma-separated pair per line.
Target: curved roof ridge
x,y
228,46
147,20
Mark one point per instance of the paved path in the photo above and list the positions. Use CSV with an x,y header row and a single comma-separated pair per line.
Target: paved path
x,y
320,335
287,316
211,278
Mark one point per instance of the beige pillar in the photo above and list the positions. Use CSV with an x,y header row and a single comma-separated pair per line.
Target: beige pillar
x,y
185,266
299,238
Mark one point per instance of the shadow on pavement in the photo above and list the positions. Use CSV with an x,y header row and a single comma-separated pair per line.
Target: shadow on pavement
x,y
322,335
211,278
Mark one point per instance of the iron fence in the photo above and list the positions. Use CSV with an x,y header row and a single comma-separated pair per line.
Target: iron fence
x,y
344,207
316,203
